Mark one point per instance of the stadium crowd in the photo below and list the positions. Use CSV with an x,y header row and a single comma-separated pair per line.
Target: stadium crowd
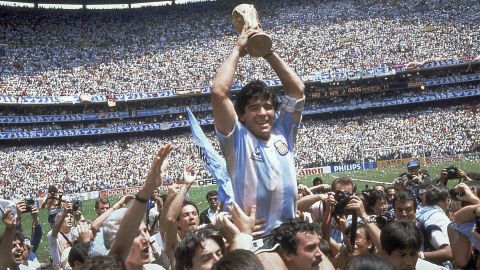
x,y
79,167
150,50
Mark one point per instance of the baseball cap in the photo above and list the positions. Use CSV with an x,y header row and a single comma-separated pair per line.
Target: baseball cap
x,y
413,163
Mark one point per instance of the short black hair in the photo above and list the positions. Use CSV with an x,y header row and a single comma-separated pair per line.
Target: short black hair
x,y
371,199
285,234
78,253
400,235
405,196
210,194
369,262
317,181
256,89
109,262
435,194
239,259
185,203
188,245
344,180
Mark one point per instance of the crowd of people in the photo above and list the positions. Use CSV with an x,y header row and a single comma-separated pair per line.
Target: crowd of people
x,y
337,226
47,52
105,164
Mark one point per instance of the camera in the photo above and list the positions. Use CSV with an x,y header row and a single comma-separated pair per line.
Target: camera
x,y
342,199
452,172
76,205
384,218
455,193
29,203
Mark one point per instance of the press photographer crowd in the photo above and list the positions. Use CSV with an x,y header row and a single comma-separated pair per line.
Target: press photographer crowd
x,y
259,214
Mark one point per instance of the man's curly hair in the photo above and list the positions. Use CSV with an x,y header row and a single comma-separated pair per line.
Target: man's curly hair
x,y
285,234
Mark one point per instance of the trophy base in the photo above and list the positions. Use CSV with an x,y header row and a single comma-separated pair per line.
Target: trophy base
x,y
259,45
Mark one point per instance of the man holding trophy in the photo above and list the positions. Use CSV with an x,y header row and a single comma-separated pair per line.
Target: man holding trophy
x,y
256,140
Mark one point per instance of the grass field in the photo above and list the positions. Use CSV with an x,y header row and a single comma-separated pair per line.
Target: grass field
x,y
198,194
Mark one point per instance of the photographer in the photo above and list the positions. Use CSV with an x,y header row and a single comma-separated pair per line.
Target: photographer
x,y
334,217
28,206
53,203
451,172
61,236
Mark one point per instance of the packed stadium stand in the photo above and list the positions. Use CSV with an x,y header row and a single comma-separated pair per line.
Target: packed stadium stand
x,y
87,97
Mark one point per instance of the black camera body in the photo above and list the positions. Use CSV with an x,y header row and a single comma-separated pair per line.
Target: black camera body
x,y
384,218
452,172
29,203
76,205
455,193
342,198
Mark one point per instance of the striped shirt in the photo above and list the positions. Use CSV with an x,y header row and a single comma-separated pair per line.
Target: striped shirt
x,y
263,172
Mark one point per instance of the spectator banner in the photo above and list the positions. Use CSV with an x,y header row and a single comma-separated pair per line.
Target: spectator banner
x,y
353,167
444,159
313,171
395,163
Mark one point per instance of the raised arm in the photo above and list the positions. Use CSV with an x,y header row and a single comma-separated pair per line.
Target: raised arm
x,y
133,217
173,210
67,208
294,87
223,110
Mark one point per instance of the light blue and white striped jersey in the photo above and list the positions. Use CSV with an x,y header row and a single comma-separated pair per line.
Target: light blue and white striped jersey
x,y
263,172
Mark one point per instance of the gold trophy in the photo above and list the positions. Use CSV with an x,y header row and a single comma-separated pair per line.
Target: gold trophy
x,y
245,15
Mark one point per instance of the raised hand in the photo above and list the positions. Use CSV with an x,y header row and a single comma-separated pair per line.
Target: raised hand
x,y
159,167
189,174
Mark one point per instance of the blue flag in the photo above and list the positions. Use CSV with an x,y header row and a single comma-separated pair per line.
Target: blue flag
x,y
214,163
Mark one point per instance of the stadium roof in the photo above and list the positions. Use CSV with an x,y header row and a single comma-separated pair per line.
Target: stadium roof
x,y
88,2
92,2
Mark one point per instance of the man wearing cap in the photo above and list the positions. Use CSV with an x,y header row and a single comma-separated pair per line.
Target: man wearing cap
x,y
413,167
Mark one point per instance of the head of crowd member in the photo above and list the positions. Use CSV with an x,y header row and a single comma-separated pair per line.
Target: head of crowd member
x,y
77,256
375,202
390,191
103,263
379,187
413,166
101,205
401,241
369,262
344,184
67,222
139,253
405,207
18,255
299,245
437,195
317,181
212,199
255,107
238,259
188,219
363,243
199,249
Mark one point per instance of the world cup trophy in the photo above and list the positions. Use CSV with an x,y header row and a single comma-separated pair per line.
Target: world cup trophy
x,y
246,16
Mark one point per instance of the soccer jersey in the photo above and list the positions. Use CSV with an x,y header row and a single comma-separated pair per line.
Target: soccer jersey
x,y
263,172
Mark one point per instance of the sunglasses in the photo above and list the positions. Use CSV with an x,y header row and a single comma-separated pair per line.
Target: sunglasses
x,y
212,199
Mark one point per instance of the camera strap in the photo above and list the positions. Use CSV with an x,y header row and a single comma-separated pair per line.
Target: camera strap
x,y
66,239
353,229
